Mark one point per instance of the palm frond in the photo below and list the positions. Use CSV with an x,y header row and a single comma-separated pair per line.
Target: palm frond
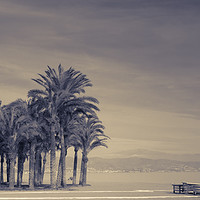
x,y
97,143
46,80
60,71
42,83
35,93
90,99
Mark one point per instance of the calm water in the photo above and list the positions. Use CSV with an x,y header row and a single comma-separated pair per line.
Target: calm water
x,y
152,180
130,181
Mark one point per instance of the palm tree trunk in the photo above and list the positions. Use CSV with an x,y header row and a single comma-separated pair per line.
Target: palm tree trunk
x,y
31,164
75,165
43,166
59,175
63,174
2,161
20,164
12,171
38,167
58,182
81,172
53,158
85,169
8,167
19,171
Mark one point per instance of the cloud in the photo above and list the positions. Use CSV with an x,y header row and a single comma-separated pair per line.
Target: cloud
x,y
14,77
142,57
133,32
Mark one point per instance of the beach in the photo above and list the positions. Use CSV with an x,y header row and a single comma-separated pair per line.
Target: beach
x,y
113,185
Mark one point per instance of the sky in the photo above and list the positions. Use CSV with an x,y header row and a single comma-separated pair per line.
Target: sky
x,y
142,57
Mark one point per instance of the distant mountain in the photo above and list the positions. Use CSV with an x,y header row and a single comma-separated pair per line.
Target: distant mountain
x,y
141,165
146,160
142,153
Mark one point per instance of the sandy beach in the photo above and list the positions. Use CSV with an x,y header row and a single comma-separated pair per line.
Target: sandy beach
x,y
155,185
115,185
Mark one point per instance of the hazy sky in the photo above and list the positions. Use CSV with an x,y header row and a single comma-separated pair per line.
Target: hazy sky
x,y
142,56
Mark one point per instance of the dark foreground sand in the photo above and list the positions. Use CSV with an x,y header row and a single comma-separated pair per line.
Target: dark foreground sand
x,y
92,194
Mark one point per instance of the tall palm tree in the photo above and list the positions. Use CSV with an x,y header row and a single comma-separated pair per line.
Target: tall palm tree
x,y
15,125
2,150
9,117
59,90
2,146
89,135
43,139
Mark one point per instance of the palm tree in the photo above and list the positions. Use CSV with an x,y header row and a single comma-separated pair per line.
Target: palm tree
x,y
9,116
16,125
2,147
11,122
89,135
44,102
35,107
60,90
1,150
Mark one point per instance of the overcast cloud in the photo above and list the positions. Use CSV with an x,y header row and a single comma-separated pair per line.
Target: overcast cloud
x,y
141,55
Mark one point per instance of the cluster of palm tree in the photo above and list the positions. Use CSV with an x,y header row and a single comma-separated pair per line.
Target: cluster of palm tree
x,y
53,119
